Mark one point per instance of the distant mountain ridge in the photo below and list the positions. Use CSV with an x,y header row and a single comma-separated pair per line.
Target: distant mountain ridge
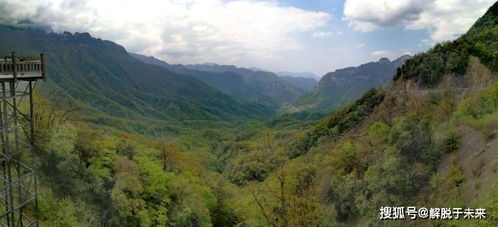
x,y
298,74
303,83
343,86
263,87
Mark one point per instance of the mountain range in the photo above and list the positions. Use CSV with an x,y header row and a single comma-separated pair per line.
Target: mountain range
x,y
129,91
259,86
290,91
298,74
112,87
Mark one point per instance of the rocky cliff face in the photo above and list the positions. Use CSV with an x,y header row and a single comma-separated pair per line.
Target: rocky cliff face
x,y
343,86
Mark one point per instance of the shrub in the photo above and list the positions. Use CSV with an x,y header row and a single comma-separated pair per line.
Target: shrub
x,y
450,143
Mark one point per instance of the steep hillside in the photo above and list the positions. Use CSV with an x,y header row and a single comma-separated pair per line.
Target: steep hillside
x,y
343,86
450,60
430,140
111,87
258,86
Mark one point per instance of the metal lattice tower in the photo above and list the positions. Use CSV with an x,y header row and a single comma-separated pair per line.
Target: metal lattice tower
x,y
18,190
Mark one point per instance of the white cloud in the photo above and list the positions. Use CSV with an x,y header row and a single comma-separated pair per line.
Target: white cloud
x,y
367,15
180,31
381,53
443,19
360,45
322,35
407,53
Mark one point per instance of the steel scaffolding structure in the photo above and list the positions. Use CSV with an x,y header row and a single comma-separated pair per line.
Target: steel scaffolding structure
x,y
18,190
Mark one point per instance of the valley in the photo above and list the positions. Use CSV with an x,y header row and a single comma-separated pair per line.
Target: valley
x,y
124,139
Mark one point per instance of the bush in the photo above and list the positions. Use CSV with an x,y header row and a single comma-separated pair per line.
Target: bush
x,y
450,143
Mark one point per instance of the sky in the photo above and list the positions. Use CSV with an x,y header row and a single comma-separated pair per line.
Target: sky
x,y
316,36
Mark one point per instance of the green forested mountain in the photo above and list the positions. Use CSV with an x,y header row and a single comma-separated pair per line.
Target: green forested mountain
x,y
343,86
250,85
111,87
428,140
